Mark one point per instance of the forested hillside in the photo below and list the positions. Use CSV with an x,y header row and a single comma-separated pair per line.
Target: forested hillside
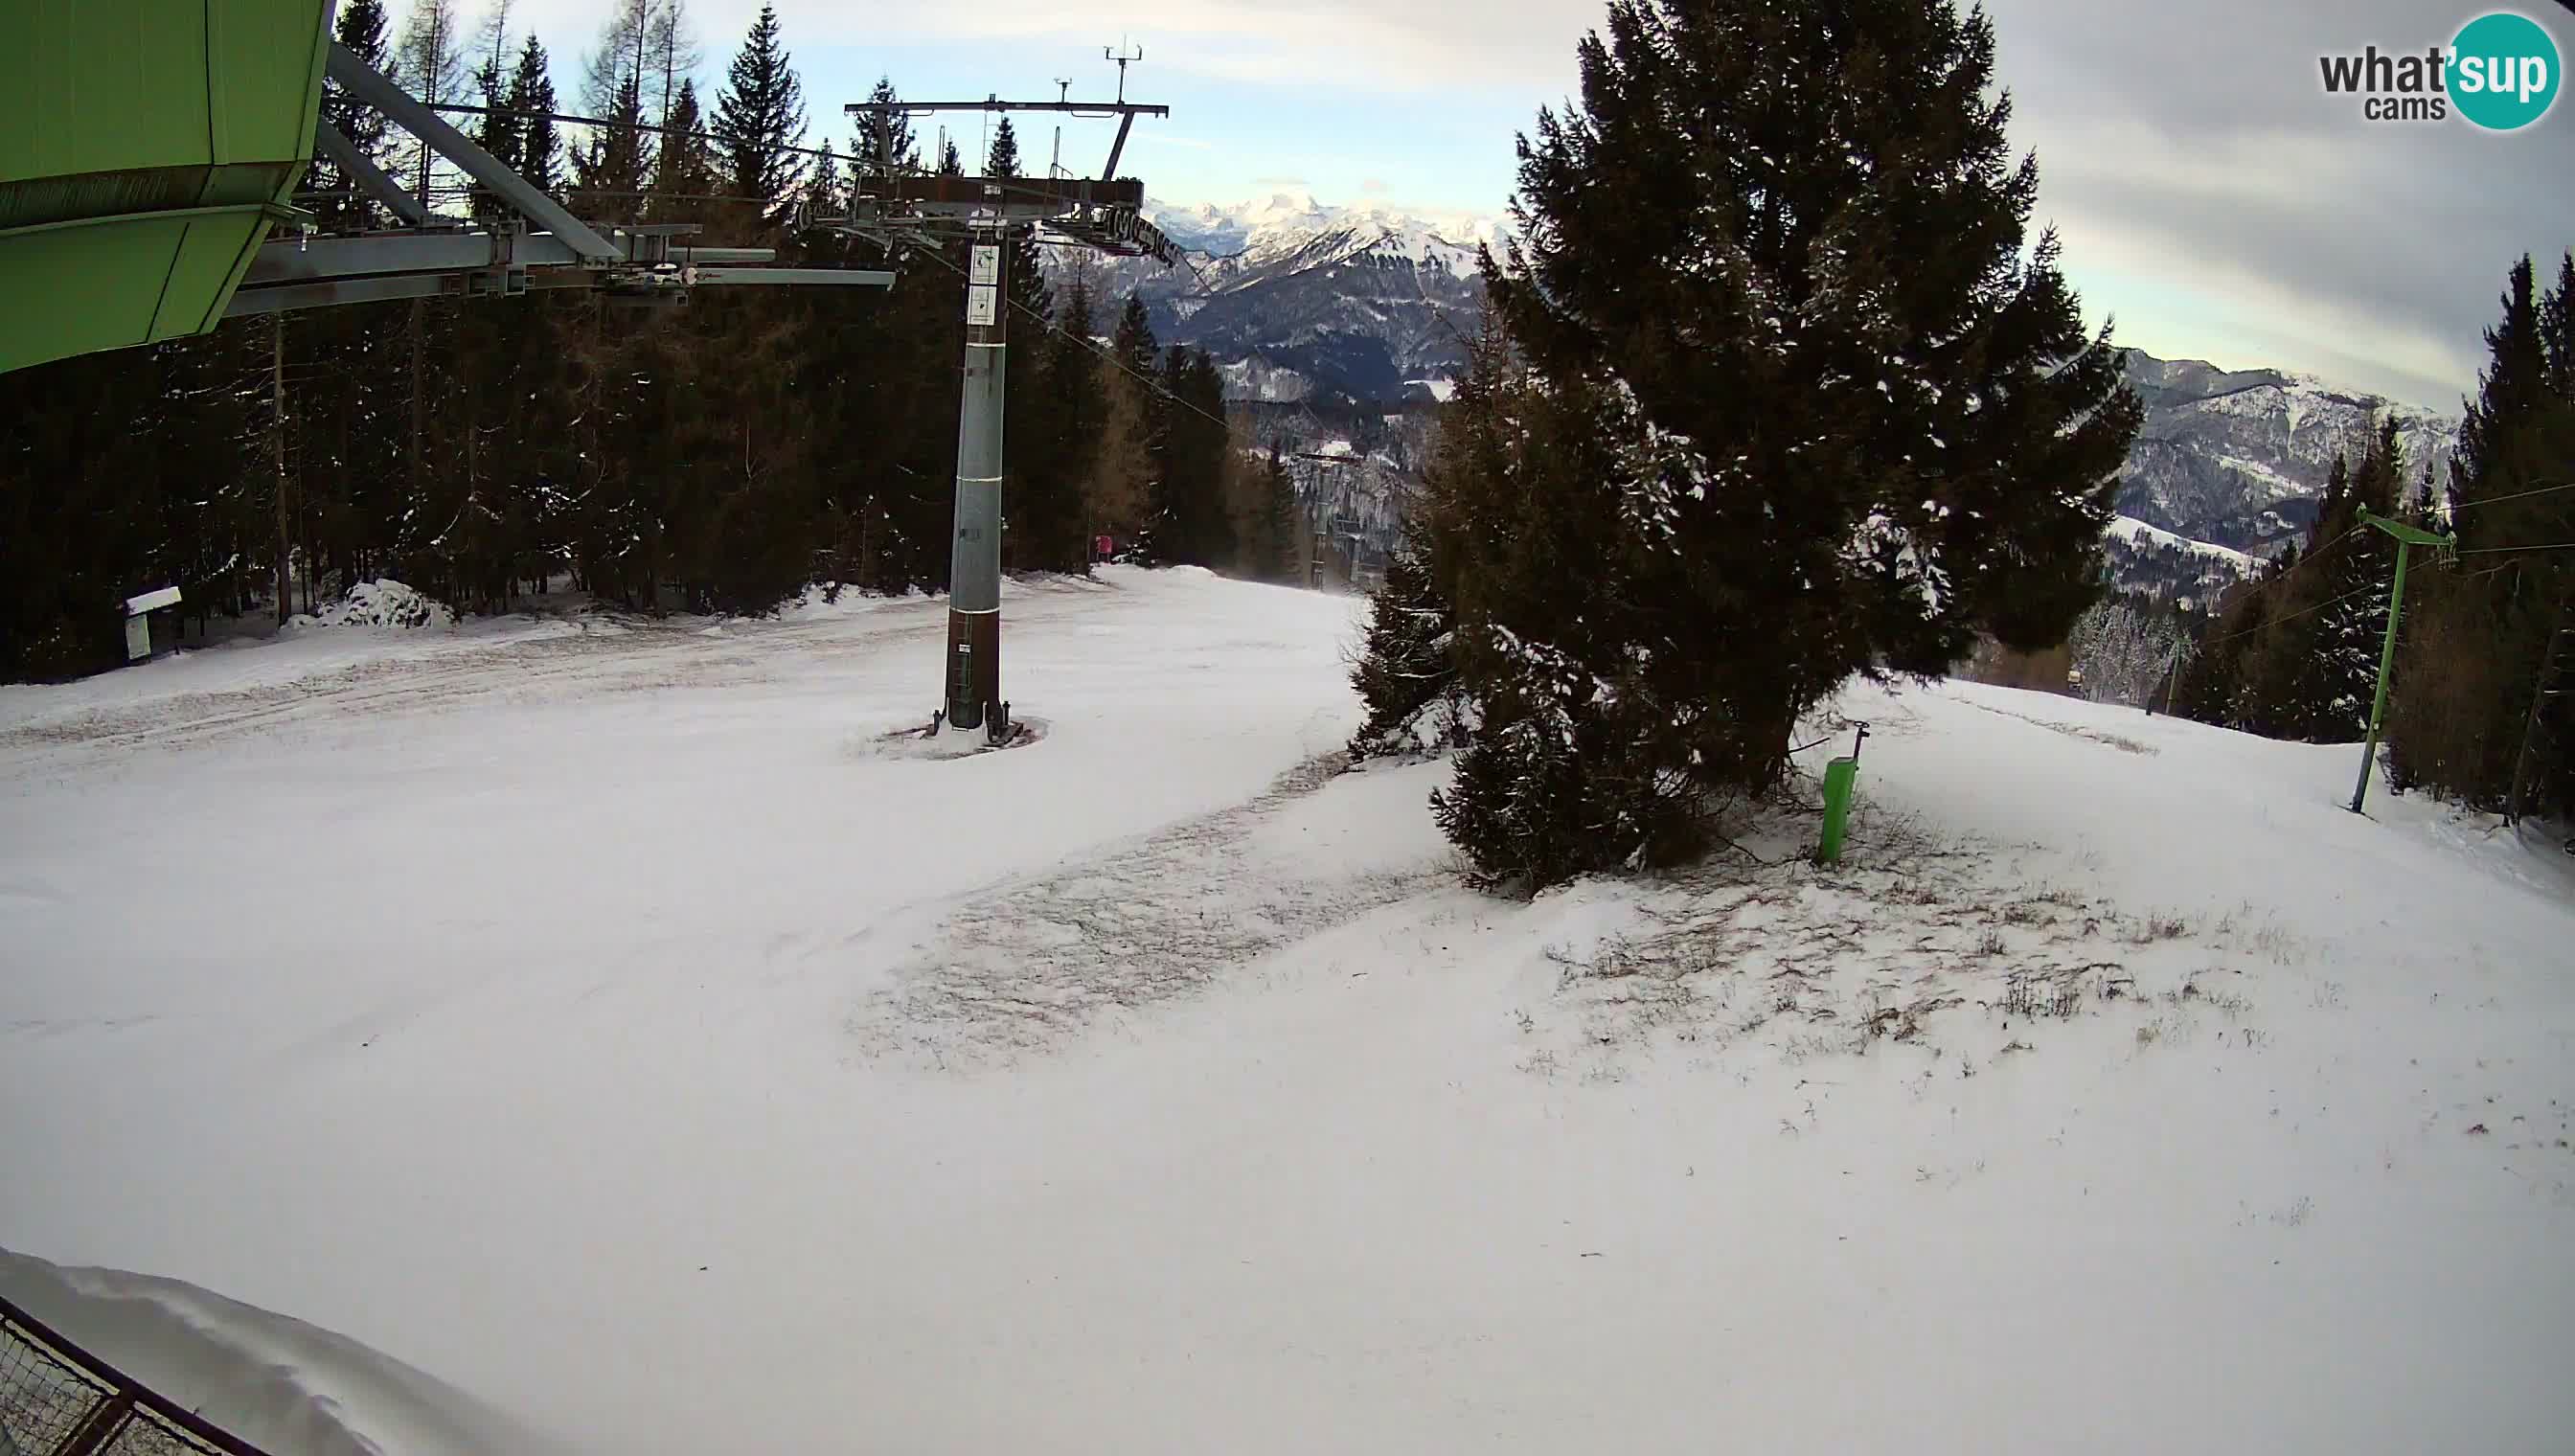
x,y
720,456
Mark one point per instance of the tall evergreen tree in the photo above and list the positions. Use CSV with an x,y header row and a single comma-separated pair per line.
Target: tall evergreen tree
x,y
2476,642
532,96
885,145
760,118
684,174
1772,283
1003,159
1132,343
1074,385
1282,523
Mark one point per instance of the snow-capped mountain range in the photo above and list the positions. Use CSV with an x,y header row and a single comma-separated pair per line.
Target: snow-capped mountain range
x,y
1303,302
2238,457
1300,300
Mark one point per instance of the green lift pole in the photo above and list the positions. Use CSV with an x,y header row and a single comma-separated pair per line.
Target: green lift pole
x,y
2407,538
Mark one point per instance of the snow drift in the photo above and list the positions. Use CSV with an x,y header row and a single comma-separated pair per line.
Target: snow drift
x,y
278,1383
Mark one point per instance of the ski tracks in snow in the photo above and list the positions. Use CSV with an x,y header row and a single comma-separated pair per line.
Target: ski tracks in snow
x,y
1029,964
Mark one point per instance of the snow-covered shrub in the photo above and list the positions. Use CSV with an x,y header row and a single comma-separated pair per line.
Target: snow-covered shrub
x,y
381,604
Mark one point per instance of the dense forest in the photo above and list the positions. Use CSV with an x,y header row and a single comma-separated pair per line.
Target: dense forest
x,y
2296,654
722,456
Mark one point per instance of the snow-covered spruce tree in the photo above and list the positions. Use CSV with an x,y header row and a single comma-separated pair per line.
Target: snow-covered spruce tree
x,y
1831,414
2340,667
1404,668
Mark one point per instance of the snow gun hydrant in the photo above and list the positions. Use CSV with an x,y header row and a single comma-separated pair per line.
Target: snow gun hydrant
x,y
1840,777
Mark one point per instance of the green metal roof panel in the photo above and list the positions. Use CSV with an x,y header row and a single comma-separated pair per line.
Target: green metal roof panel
x,y
127,112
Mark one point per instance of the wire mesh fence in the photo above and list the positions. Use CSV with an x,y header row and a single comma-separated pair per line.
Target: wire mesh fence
x,y
57,1399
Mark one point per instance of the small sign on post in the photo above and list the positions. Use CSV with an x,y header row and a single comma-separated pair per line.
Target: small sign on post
x,y
138,621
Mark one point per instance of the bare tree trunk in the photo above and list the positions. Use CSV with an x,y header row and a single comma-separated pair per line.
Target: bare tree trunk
x,y
276,438
419,398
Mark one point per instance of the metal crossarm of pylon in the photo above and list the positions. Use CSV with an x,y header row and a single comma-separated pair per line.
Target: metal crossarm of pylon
x,y
446,257
1105,214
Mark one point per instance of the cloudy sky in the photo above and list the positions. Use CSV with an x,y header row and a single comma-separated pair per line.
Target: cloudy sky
x,y
2211,196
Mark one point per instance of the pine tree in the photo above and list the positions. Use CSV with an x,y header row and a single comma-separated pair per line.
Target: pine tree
x,y
950,164
2475,642
1192,508
1132,343
1140,441
683,174
532,96
1118,492
1405,668
361,28
1076,388
884,145
2312,673
760,116
1283,525
1833,418
1003,159
823,197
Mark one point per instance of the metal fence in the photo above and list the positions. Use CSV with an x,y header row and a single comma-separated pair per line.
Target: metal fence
x,y
56,1399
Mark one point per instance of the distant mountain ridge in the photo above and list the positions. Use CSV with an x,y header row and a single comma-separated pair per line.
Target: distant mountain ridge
x,y
1304,303
2238,457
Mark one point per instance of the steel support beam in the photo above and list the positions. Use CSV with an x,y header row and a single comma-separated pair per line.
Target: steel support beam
x,y
367,85
843,277
249,299
369,177
1117,148
995,103
297,260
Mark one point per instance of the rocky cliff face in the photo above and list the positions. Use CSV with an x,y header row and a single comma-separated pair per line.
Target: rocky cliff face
x,y
2237,459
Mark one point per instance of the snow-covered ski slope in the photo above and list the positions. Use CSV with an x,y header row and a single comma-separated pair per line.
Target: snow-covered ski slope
x,y
617,1028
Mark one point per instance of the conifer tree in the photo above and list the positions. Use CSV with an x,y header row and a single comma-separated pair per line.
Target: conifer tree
x,y
1835,413
2475,643
1062,526
823,197
884,145
360,26
1406,666
684,173
532,96
759,117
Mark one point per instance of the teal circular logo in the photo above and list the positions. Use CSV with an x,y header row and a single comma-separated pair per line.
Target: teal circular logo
x,y
2503,71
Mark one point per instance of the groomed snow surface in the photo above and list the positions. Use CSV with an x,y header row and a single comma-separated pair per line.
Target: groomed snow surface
x,y
618,1028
